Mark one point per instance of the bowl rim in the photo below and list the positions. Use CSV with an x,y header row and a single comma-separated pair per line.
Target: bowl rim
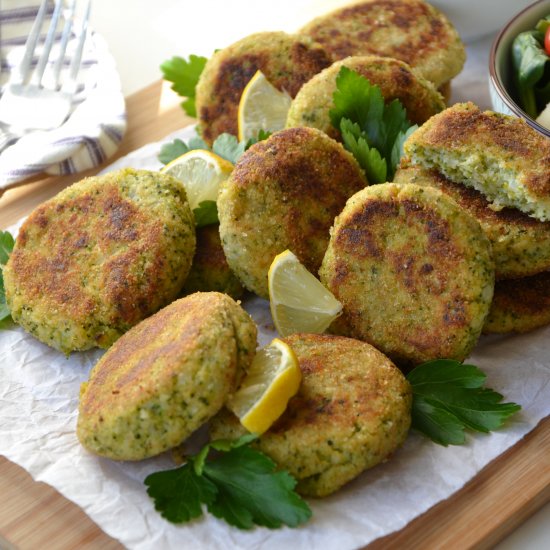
x,y
497,83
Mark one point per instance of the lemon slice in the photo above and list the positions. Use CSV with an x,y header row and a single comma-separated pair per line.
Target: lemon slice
x,y
262,107
201,173
298,301
273,378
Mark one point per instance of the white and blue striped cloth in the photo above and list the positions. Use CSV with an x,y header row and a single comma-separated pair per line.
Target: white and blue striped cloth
x,y
97,121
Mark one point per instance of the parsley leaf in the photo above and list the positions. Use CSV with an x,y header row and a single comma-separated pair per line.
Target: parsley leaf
x,y
262,134
176,148
167,489
6,246
448,398
252,492
228,147
239,485
225,145
367,123
206,213
375,167
184,75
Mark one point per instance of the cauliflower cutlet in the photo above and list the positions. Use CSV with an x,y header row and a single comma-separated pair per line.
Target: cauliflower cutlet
x,y
521,244
410,30
287,61
209,271
99,257
284,192
165,377
501,156
396,80
413,271
520,305
353,410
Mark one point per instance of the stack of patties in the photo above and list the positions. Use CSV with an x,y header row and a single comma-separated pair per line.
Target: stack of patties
x,y
497,168
166,377
410,30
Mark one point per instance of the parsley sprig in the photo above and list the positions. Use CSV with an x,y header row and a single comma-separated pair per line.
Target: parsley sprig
x,y
184,75
6,246
240,485
226,146
449,397
371,130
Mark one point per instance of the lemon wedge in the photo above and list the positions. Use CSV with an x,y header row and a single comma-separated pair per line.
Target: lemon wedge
x,y
201,173
273,378
298,301
262,107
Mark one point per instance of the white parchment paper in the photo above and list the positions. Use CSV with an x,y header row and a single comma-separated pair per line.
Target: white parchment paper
x,y
38,408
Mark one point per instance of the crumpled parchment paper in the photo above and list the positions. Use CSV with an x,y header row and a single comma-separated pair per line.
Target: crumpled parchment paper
x,y
38,406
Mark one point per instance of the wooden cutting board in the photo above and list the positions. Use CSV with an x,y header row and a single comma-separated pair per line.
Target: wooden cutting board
x,y
503,495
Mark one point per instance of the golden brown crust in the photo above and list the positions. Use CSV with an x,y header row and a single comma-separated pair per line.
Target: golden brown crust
x,y
284,193
287,61
520,305
99,257
165,377
521,244
209,271
413,272
131,366
410,30
351,412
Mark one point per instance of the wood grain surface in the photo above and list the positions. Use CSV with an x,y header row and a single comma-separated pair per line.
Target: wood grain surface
x,y
35,516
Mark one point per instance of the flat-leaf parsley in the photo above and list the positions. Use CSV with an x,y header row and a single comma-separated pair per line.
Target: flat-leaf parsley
x,y
448,398
239,485
184,75
373,131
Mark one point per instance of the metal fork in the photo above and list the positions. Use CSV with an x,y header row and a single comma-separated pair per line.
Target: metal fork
x,y
27,103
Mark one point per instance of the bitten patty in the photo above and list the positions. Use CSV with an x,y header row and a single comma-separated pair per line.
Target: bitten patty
x,y
499,155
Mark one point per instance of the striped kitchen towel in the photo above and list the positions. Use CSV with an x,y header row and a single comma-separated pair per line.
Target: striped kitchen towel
x,y
97,121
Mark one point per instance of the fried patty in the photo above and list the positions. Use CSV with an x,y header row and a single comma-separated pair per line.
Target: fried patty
x,y
410,30
209,271
521,244
287,61
520,305
165,377
352,411
413,271
284,194
99,257
499,155
396,80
